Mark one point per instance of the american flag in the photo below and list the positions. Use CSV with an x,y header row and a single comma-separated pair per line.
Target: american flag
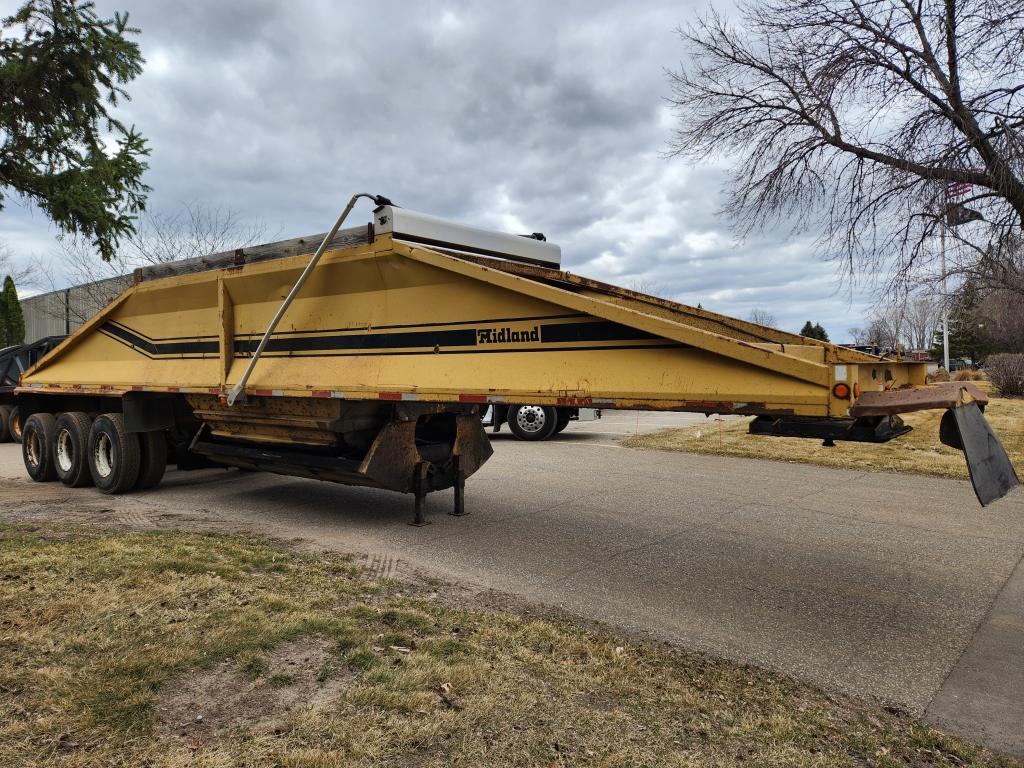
x,y
957,190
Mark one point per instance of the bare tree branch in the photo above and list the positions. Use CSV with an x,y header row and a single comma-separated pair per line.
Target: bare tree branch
x,y
854,117
196,230
763,317
23,275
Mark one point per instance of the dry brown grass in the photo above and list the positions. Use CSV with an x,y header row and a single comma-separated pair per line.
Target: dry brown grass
x,y
917,452
969,374
105,632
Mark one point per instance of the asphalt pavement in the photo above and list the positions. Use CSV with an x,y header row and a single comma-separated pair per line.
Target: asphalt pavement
x,y
898,588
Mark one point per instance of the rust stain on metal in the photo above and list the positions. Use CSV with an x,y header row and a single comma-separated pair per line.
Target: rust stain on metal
x,y
948,394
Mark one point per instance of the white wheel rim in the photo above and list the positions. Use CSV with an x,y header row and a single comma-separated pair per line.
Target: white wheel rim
x,y
531,418
32,450
103,456
65,451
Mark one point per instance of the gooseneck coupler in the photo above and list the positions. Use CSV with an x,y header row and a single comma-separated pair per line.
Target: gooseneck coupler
x,y
237,392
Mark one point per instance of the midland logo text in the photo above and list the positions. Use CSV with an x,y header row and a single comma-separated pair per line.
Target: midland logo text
x,y
507,335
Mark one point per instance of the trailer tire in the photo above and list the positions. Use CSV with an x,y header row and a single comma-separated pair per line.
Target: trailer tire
x,y
152,459
5,423
14,425
114,454
70,449
532,422
37,447
562,423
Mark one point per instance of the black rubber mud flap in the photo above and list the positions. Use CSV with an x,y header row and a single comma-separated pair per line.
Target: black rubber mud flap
x,y
992,474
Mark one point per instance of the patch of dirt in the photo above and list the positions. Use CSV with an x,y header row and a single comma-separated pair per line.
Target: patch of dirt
x,y
211,705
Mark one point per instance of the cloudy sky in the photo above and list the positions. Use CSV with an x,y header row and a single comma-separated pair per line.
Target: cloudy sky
x,y
532,116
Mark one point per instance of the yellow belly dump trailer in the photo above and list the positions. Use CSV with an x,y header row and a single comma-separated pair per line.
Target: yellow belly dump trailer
x,y
379,367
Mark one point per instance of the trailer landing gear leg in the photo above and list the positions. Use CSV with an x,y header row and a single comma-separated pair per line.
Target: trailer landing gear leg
x,y
460,491
420,483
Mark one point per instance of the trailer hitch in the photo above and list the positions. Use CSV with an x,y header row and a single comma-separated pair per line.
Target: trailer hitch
x,y
963,427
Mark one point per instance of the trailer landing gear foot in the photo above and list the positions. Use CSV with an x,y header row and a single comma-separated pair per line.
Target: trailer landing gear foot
x,y
420,484
460,491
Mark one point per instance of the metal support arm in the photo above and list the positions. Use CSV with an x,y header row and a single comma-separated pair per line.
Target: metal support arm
x,y
237,392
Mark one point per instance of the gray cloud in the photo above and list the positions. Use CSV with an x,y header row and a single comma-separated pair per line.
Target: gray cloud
x,y
532,116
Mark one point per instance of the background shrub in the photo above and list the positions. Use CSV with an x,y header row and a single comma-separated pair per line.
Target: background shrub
x,y
968,374
1007,373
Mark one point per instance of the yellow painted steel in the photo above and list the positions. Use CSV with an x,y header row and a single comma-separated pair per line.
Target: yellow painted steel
x,y
388,320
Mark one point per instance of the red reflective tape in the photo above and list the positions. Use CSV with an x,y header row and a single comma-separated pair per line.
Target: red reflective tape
x,y
174,389
214,390
136,387
578,401
390,395
264,393
472,398
321,393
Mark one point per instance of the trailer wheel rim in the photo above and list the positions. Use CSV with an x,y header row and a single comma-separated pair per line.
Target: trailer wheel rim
x,y
65,451
103,455
16,425
531,419
33,450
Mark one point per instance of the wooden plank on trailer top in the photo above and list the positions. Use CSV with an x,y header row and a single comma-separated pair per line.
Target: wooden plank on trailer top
x,y
296,246
947,394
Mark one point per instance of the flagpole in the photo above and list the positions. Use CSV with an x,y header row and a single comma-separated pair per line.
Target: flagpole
x,y
945,296
951,215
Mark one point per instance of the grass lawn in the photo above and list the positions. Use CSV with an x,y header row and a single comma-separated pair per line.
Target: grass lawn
x,y
919,451
177,649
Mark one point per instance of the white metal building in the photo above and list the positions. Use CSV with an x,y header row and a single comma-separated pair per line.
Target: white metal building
x,y
59,313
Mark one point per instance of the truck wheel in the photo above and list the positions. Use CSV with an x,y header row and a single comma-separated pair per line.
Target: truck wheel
x,y
37,447
532,422
114,454
14,425
152,459
71,436
562,423
5,423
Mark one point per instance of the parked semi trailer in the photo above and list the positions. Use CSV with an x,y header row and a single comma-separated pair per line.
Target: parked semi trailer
x,y
14,361
370,361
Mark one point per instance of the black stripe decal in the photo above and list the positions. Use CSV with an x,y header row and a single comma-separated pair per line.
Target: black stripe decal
x,y
461,337
430,342
323,331
146,354
599,330
161,347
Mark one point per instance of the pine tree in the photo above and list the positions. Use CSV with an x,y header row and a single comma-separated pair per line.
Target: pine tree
x,y
967,337
62,69
11,317
814,331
